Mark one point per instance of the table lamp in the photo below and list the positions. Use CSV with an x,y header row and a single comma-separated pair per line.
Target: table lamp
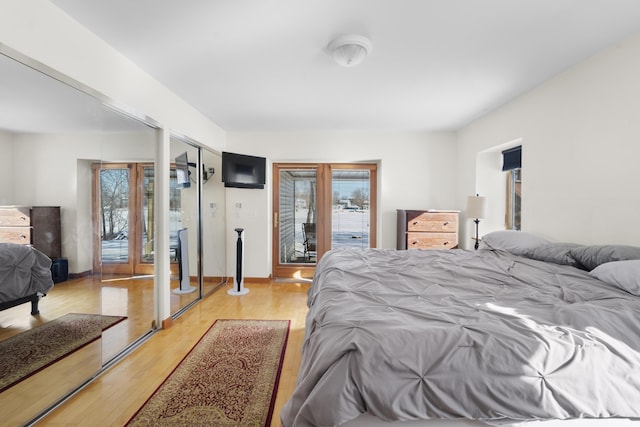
x,y
477,208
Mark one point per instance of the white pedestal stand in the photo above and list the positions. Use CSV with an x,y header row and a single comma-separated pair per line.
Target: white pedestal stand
x,y
239,288
183,264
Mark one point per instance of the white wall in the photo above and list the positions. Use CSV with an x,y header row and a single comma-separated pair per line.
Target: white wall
x,y
6,168
581,143
417,171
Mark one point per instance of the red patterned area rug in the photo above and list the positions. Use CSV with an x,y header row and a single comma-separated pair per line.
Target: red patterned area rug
x,y
229,378
31,351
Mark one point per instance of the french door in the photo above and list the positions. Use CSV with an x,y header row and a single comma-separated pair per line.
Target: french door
x,y
318,207
123,205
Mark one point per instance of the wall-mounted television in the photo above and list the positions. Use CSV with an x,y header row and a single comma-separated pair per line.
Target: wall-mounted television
x,y
182,171
243,171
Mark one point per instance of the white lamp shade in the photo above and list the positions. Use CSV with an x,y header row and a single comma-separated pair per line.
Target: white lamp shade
x,y
476,207
349,50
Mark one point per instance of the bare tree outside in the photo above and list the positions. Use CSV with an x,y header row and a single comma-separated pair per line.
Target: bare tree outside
x,y
311,212
114,203
359,196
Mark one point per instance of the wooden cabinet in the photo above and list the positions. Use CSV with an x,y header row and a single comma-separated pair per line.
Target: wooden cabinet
x,y
427,229
15,224
32,225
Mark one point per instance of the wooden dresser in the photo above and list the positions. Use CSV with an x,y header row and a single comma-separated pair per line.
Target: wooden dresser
x,y
428,229
32,225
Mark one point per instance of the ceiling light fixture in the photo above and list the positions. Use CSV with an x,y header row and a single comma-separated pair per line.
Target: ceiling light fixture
x,y
349,50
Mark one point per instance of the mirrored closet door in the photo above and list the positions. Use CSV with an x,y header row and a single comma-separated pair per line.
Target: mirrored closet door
x,y
196,223
213,223
55,143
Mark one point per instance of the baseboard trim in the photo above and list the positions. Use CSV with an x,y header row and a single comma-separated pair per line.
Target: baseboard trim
x,y
167,323
80,275
253,280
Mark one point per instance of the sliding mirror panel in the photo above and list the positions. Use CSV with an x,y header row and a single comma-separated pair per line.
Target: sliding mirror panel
x,y
46,129
184,224
58,147
213,223
123,216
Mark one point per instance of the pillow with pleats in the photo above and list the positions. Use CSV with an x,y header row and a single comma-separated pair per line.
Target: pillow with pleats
x,y
592,256
557,253
513,241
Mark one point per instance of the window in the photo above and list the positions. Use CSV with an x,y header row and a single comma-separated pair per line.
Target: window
x,y
514,197
512,165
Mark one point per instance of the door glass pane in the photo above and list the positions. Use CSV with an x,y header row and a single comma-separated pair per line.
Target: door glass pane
x,y
148,215
350,219
114,215
298,216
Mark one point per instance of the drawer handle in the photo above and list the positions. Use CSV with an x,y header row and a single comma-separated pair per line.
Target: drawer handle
x,y
414,243
446,223
445,243
414,223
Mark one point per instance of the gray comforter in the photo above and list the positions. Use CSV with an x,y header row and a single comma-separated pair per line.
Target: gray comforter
x,y
24,271
463,334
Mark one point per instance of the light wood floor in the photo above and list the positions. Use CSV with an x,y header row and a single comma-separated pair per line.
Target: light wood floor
x,y
117,394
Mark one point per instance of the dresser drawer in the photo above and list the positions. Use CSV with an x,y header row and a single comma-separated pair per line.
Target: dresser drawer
x,y
15,216
21,235
427,229
434,221
432,240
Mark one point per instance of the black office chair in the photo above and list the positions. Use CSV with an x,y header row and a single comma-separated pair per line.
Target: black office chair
x,y
309,236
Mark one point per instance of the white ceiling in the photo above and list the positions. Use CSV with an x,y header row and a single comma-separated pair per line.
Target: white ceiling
x,y
262,65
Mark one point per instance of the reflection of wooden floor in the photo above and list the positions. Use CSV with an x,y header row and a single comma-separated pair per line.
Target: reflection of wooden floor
x,y
117,394
122,296
131,297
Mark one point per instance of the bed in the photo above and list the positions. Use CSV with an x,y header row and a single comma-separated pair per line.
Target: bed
x,y
25,276
519,331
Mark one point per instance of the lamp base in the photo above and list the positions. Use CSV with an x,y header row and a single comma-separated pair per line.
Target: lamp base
x,y
477,221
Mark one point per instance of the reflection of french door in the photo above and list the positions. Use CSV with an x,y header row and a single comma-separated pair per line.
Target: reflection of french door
x,y
318,207
124,218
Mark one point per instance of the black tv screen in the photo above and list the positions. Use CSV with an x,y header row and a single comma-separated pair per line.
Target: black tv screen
x,y
182,171
243,171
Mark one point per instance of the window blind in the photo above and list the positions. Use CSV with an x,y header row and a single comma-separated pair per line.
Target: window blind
x,y
512,158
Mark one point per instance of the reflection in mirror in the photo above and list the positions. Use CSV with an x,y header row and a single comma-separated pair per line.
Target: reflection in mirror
x,y
184,224
122,200
52,136
213,223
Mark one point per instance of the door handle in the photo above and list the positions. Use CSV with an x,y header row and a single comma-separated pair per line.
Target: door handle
x,y
275,220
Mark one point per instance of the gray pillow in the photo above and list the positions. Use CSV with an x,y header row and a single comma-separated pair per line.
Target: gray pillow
x,y
557,253
512,241
623,274
592,256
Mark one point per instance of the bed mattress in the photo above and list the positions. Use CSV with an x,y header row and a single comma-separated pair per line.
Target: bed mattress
x,y
463,335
